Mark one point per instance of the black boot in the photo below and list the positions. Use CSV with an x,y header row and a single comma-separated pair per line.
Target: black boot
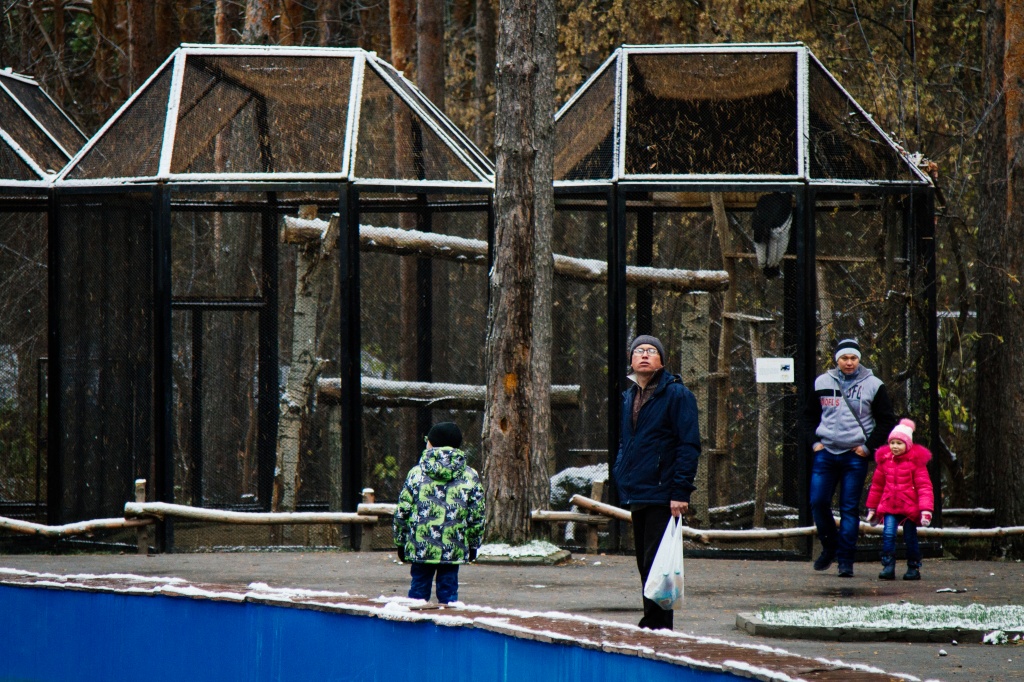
x,y
888,567
912,571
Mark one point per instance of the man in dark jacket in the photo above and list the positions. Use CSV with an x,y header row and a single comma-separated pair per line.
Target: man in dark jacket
x,y
657,459
846,419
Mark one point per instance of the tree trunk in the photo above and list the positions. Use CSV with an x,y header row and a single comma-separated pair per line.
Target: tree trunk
x,y
999,464
429,50
508,415
141,41
291,22
403,44
542,460
483,89
258,16
225,16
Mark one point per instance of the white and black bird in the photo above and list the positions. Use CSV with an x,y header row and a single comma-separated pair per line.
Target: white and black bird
x,y
772,218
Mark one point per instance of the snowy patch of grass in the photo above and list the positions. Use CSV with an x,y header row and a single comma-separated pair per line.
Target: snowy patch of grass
x,y
533,548
905,615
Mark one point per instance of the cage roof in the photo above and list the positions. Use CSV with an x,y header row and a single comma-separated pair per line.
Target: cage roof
x,y
740,113
235,113
37,139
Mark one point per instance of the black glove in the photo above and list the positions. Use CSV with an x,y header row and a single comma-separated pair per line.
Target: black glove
x,y
401,553
472,554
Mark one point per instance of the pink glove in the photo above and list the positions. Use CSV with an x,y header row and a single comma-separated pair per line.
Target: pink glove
x,y
926,518
870,518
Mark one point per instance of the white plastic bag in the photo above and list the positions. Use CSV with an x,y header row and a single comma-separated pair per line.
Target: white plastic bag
x,y
664,584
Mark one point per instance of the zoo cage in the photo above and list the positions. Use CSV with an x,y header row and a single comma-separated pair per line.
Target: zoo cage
x,y
36,140
257,263
750,213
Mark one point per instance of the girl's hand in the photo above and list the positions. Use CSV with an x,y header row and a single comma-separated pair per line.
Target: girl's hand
x,y
870,518
926,518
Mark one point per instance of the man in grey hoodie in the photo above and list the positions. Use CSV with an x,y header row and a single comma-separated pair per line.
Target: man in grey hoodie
x,y
847,418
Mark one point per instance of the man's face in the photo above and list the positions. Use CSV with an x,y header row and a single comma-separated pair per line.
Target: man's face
x,y
646,359
848,363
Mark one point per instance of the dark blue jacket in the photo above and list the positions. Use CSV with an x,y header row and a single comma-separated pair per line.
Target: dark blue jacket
x,y
658,461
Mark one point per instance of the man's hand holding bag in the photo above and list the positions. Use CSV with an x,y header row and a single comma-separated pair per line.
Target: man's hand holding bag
x,y
664,584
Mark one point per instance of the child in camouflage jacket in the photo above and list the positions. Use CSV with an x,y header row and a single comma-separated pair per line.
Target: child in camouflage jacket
x,y
439,521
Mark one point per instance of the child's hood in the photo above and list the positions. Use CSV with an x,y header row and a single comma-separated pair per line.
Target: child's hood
x,y
443,464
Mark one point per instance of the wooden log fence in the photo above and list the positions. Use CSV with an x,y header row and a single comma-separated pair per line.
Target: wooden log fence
x,y
474,252
70,529
706,537
162,510
387,393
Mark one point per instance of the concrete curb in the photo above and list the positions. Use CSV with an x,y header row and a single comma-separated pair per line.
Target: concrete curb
x,y
751,624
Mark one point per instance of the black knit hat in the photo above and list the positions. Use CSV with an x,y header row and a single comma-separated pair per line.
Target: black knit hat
x,y
649,340
445,434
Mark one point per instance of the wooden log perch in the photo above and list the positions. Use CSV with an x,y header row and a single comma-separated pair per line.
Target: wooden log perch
x,y
69,529
376,509
387,393
474,252
162,510
601,508
562,516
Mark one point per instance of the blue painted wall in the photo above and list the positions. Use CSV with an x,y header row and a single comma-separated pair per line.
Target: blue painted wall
x,y
50,635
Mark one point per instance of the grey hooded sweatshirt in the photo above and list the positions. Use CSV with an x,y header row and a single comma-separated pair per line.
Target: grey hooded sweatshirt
x,y
829,420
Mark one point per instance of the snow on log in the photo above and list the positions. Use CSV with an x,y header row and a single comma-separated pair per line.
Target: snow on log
x,y
68,529
377,509
387,393
474,251
182,511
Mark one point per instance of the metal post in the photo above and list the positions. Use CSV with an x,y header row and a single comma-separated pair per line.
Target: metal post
x,y
806,361
924,226
616,331
163,398
196,439
54,441
424,318
351,380
268,407
644,257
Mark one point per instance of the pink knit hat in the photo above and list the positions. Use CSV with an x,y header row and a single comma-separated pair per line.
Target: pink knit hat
x,y
904,431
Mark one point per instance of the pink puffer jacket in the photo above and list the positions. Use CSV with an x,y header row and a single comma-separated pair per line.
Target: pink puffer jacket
x,y
901,485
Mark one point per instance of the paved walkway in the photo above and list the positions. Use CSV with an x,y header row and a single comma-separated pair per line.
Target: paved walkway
x,y
607,587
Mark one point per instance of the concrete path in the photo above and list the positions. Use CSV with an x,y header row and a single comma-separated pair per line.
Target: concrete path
x,y
608,587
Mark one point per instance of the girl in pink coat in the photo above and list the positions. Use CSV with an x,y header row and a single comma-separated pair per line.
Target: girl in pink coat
x,y
901,494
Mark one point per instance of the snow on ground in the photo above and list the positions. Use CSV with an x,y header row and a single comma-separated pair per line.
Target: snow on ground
x,y
536,548
903,615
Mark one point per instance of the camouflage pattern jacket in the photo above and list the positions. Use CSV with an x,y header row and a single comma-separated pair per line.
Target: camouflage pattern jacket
x,y
440,513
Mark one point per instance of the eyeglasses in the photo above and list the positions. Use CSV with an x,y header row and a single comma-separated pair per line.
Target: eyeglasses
x,y
645,351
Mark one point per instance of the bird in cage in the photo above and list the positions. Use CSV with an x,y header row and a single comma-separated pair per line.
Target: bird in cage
x,y
772,218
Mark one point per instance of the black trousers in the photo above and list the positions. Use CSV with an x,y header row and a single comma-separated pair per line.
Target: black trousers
x,y
649,523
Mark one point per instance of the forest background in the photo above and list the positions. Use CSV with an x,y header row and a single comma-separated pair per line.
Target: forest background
x,y
942,77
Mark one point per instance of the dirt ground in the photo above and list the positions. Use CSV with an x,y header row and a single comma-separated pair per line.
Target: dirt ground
x,y
608,587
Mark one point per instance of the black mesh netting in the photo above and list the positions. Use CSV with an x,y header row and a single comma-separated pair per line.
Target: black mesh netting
x,y
30,136
701,114
23,338
46,112
584,140
104,305
750,466
250,114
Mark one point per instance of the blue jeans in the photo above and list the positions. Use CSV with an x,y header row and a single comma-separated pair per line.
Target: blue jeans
x,y
890,525
447,581
848,470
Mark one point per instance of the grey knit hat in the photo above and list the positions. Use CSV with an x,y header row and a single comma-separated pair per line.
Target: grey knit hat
x,y
649,340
